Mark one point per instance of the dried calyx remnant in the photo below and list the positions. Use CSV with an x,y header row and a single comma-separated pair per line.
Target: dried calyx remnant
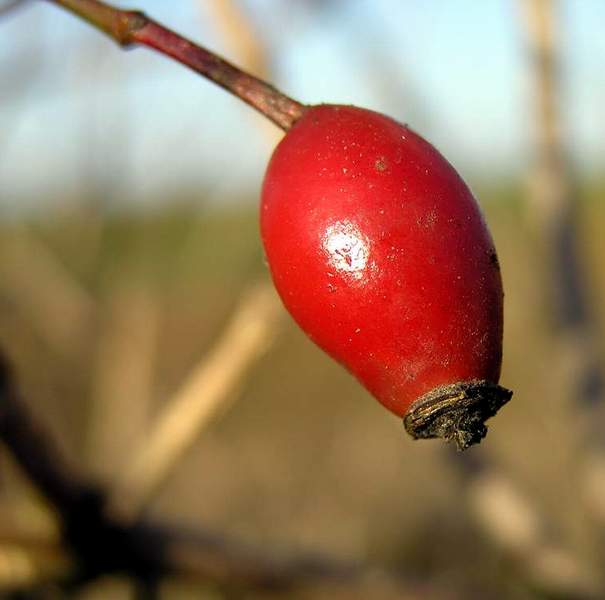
x,y
456,412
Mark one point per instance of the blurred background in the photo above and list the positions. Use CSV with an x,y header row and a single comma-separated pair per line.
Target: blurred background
x,y
129,255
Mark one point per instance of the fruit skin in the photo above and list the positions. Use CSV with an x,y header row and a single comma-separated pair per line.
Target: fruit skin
x,y
380,253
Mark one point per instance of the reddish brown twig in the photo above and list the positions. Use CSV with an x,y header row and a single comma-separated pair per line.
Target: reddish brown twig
x,y
130,28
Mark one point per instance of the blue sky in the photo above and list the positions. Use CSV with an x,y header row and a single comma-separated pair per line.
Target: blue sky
x,y
453,69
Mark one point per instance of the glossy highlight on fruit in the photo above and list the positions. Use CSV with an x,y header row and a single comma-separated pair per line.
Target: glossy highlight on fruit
x,y
380,253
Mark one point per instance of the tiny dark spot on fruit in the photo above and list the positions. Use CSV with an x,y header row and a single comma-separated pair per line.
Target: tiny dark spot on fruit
x,y
380,164
493,259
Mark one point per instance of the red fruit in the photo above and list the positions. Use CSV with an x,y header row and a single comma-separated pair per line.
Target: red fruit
x,y
380,253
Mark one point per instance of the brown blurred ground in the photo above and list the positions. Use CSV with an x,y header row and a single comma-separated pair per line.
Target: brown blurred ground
x,y
305,459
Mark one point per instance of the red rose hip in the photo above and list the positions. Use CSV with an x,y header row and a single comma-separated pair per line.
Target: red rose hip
x,y
376,246
380,253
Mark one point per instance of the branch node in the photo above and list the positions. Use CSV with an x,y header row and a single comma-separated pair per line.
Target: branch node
x,y
125,26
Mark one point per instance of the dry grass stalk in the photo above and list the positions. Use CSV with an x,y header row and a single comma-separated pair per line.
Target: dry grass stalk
x,y
246,47
555,202
10,6
238,32
208,391
27,566
551,185
513,524
122,387
46,293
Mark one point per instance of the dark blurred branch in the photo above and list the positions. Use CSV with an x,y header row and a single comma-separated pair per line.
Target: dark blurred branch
x,y
99,543
129,28
35,451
